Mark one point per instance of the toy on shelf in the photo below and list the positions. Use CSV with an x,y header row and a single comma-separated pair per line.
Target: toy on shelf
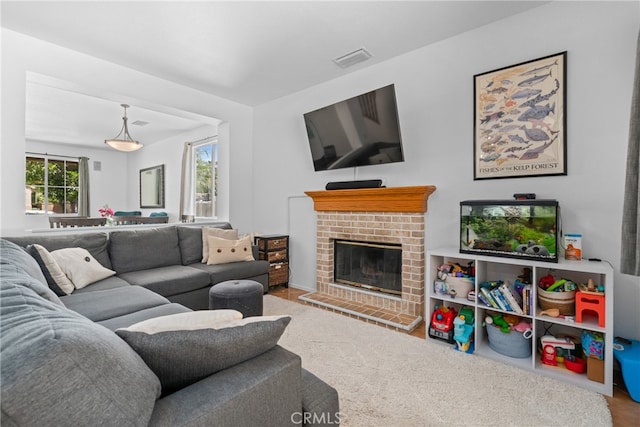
x,y
560,294
509,335
463,330
455,281
456,270
441,326
593,344
554,349
499,321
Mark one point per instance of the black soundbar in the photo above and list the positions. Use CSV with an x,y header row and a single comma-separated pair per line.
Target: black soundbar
x,y
350,185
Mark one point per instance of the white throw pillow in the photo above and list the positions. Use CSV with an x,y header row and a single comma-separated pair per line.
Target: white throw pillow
x,y
56,278
80,267
222,251
216,232
186,321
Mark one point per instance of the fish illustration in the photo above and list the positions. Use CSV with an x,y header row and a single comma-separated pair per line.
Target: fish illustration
x,y
490,106
526,93
535,152
512,156
514,149
509,128
498,90
494,116
517,138
541,98
507,120
537,112
540,123
535,134
509,102
501,161
490,157
534,80
544,67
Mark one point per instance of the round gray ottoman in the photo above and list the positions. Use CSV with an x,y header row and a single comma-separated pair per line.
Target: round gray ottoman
x,y
242,295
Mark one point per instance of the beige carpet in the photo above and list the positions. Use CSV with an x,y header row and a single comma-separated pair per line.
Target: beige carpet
x,y
387,378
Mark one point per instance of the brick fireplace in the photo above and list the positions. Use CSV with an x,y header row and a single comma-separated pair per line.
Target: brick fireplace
x,y
377,215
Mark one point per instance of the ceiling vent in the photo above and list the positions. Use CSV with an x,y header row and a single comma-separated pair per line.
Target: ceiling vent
x,y
353,58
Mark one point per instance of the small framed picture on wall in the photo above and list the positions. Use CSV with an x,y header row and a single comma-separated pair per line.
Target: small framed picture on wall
x,y
520,120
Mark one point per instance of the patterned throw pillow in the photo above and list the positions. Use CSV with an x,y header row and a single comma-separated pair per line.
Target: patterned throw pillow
x,y
216,232
222,251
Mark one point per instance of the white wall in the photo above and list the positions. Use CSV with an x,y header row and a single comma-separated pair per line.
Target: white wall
x,y
21,54
434,88
169,154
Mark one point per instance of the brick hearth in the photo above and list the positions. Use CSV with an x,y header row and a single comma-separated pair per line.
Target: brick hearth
x,y
382,215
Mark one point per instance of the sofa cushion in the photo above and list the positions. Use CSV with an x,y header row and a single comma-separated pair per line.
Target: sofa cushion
x,y
12,254
110,303
222,250
233,270
95,242
80,267
56,279
180,357
59,368
191,241
171,280
104,284
134,250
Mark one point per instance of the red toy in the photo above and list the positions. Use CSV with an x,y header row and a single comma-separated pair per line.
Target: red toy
x,y
442,323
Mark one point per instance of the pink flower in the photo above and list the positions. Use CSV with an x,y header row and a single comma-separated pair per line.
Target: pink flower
x,y
105,211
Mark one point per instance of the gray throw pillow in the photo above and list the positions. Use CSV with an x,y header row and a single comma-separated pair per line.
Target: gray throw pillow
x,y
180,357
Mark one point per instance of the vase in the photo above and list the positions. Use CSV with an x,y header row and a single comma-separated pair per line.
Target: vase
x,y
110,222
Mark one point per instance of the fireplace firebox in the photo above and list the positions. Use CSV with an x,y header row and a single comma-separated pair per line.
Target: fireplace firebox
x,y
374,266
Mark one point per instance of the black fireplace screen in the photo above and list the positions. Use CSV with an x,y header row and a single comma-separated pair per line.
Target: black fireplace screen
x,y
375,266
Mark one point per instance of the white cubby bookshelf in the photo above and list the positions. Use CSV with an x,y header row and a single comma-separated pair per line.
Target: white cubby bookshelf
x,y
488,268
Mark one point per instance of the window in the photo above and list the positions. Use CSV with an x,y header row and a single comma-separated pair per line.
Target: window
x,y
206,161
51,186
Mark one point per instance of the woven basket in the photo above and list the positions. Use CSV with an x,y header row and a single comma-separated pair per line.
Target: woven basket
x,y
512,344
563,301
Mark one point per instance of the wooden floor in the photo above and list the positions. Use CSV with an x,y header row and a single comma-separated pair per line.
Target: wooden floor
x,y
624,411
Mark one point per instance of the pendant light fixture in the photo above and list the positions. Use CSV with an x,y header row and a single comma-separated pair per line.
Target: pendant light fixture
x,y
123,141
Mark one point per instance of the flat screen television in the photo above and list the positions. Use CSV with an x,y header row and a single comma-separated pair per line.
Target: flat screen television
x,y
359,131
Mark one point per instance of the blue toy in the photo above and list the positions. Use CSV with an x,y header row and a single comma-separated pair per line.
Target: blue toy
x,y
462,334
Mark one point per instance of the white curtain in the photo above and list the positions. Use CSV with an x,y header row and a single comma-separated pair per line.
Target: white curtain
x,y
84,207
630,259
187,185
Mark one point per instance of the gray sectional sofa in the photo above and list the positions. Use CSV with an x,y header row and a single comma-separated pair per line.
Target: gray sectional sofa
x,y
63,364
166,260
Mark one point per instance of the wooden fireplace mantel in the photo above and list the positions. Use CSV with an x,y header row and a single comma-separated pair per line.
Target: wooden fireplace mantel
x,y
393,199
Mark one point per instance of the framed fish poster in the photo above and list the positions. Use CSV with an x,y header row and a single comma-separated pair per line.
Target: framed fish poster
x,y
520,120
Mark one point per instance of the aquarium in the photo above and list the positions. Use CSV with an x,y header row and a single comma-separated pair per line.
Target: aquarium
x,y
525,229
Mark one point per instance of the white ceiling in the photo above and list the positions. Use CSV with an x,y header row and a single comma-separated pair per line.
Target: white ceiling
x,y
249,52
